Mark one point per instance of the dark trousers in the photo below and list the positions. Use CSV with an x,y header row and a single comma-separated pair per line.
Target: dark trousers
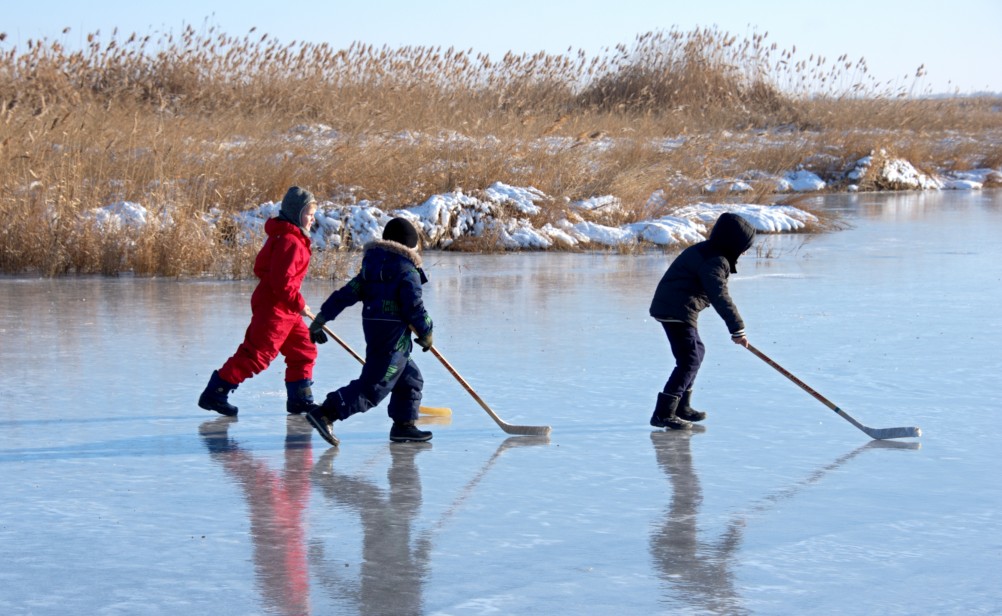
x,y
688,350
394,375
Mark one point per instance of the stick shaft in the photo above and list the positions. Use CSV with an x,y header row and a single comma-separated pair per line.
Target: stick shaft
x,y
338,340
507,427
879,433
790,376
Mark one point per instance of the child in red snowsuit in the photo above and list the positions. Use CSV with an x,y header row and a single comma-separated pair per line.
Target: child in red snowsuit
x,y
277,308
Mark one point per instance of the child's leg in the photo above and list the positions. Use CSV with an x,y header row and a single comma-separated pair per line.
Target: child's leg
x,y
299,352
405,399
265,335
379,376
688,350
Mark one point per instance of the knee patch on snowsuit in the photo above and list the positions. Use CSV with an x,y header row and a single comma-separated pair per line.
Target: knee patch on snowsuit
x,y
405,399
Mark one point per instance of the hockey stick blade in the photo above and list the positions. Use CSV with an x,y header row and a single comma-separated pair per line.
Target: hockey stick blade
x,y
525,430
436,411
886,433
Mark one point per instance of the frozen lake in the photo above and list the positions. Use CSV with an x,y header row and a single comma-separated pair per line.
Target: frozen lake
x,y
121,496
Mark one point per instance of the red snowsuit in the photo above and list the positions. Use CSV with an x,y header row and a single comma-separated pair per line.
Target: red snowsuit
x,y
276,323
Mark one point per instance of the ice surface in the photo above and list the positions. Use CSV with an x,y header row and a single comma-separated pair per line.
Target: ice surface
x,y
121,496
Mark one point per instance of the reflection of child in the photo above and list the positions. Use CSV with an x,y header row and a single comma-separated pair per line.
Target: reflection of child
x,y
276,504
277,308
697,278
389,287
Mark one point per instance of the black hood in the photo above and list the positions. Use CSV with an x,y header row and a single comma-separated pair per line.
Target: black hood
x,y
732,235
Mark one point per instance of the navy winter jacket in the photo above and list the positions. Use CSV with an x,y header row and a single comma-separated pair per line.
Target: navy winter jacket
x,y
389,287
697,278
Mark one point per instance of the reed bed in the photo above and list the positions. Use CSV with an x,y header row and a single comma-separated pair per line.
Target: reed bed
x,y
201,120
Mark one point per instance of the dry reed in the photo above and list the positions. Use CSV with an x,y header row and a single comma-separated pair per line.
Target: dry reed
x,y
199,120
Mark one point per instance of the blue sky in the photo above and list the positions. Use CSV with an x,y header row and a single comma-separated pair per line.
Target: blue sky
x,y
957,41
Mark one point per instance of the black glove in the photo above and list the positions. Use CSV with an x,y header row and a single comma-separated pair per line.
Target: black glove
x,y
317,335
425,341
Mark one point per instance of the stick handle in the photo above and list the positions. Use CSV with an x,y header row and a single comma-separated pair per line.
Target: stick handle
x,y
507,427
790,376
338,340
466,386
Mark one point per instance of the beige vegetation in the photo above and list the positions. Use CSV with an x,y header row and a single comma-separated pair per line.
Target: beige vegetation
x,y
185,123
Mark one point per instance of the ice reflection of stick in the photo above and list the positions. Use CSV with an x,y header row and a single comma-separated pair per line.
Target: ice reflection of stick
x,y
701,571
508,443
817,475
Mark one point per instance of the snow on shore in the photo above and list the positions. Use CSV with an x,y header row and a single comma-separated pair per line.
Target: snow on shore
x,y
503,214
508,217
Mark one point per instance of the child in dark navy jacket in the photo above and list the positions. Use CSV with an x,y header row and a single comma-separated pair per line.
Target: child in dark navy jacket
x,y
696,279
389,287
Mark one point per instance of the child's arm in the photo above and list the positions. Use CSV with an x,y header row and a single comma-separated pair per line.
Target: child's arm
x,y
412,309
713,276
286,271
348,295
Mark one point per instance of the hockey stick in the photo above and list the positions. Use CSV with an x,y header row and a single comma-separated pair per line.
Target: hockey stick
x,y
877,433
507,427
439,411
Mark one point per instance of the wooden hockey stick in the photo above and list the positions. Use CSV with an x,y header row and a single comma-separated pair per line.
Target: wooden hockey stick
x,y
507,427
877,433
438,411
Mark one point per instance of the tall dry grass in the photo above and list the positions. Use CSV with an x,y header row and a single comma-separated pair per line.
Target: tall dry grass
x,y
202,119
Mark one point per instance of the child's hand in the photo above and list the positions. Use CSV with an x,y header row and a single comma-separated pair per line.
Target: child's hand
x,y
425,341
317,335
742,340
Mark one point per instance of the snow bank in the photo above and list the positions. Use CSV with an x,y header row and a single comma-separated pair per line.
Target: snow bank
x,y
496,213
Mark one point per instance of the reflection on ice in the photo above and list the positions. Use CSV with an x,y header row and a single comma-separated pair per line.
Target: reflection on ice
x,y
394,565
697,573
275,505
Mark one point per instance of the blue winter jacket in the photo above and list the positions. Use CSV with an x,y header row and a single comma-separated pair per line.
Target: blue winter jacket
x,y
389,286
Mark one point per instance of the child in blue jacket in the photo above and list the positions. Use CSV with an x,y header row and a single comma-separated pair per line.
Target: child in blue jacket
x,y
389,287
695,280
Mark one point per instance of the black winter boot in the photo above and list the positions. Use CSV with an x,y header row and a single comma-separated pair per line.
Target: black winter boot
x,y
407,432
300,397
664,414
320,418
686,412
214,396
